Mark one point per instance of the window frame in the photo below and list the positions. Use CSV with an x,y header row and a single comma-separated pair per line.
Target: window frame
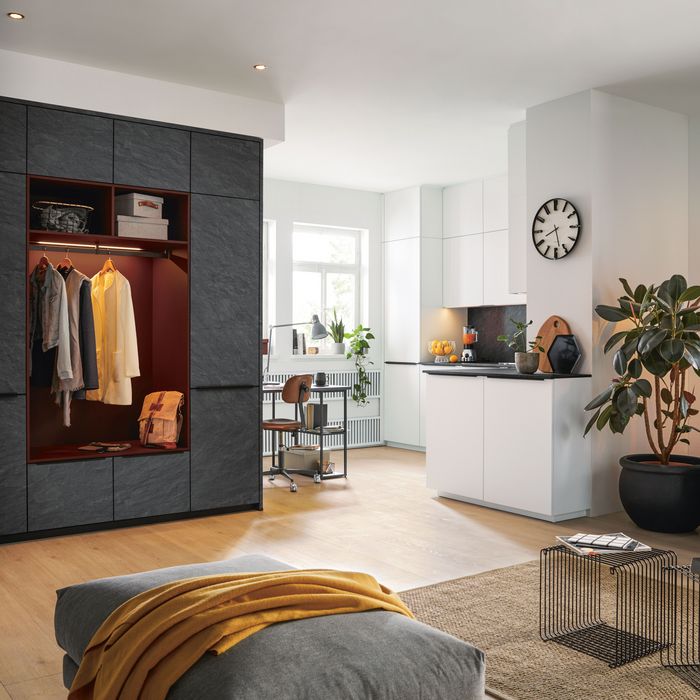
x,y
355,268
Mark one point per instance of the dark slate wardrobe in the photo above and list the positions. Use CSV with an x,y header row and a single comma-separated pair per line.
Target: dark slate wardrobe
x,y
197,298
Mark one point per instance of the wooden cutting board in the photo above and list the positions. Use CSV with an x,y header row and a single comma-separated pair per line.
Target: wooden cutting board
x,y
550,329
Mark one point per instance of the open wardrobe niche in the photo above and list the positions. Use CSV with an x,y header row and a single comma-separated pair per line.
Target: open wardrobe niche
x,y
157,273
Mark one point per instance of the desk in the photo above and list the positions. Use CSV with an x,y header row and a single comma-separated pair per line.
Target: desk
x,y
321,391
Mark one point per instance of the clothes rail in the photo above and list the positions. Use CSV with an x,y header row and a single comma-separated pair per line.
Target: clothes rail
x,y
100,250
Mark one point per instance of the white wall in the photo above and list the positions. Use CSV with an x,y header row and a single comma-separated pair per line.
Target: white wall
x,y
288,202
72,85
694,200
625,167
558,164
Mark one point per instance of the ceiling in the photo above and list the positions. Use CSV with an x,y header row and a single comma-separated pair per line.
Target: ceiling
x,y
378,94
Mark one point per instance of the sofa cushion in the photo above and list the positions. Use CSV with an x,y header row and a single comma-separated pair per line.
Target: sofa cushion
x,y
373,654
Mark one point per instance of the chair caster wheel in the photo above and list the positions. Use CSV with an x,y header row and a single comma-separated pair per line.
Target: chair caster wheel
x,y
293,487
317,478
271,477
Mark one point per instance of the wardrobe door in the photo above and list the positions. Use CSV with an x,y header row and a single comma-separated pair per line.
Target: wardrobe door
x,y
13,465
226,166
225,292
151,485
12,282
225,454
65,494
13,137
151,156
70,145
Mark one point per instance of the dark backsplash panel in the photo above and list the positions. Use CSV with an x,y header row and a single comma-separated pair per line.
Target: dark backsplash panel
x,y
492,321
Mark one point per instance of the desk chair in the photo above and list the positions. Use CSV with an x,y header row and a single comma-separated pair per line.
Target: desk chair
x,y
296,391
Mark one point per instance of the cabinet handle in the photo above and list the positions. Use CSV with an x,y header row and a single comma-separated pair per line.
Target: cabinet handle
x,y
146,203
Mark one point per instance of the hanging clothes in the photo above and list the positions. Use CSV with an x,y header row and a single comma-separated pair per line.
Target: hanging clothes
x,y
83,354
48,323
115,336
88,347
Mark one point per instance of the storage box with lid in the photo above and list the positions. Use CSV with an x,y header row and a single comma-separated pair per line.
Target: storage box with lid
x,y
136,204
141,227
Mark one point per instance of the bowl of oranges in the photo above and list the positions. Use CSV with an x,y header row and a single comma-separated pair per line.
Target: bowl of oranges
x,y
443,350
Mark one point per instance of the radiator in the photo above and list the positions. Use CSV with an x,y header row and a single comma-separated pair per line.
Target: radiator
x,y
362,432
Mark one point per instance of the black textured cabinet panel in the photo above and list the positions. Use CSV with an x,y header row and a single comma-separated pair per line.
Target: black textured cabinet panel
x,y
12,282
13,465
225,453
152,485
225,292
13,137
70,145
151,156
65,494
226,166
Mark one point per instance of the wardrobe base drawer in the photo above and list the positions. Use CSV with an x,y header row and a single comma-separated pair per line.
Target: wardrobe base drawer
x,y
151,485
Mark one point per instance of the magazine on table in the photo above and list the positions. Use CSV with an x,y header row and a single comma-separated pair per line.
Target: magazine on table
x,y
586,544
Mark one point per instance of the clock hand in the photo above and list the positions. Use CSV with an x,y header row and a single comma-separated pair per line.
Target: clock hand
x,y
551,232
556,231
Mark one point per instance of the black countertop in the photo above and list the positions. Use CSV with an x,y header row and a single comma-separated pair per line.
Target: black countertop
x,y
499,374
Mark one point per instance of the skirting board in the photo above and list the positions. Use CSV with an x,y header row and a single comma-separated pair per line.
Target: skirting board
x,y
516,511
401,446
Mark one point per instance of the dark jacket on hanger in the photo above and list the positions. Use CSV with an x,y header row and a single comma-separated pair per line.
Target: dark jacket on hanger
x,y
87,341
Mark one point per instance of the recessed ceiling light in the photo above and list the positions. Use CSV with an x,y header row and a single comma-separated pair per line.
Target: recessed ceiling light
x,y
15,15
260,66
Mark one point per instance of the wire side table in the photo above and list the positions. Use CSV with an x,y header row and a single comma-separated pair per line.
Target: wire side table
x,y
682,624
571,590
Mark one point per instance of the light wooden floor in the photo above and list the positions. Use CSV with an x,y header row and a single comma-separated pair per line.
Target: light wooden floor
x,y
382,520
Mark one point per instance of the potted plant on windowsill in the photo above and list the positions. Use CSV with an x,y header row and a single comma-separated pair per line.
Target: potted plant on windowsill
x,y
660,491
527,354
336,329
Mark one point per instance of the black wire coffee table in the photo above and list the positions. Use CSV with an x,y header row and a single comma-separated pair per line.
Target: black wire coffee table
x,y
571,590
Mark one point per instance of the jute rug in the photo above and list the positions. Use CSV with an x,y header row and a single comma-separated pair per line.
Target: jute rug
x,y
498,611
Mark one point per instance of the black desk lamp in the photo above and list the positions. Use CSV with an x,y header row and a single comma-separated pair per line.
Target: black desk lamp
x,y
318,332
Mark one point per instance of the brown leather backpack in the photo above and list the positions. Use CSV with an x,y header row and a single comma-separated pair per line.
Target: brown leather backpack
x,y
160,421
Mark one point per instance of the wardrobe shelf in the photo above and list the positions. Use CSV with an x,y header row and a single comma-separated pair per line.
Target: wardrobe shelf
x,y
63,453
105,243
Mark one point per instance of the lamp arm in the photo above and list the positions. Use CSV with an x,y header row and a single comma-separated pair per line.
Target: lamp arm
x,y
269,339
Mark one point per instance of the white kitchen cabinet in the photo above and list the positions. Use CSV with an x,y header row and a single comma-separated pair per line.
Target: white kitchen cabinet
x,y
511,444
496,203
463,271
463,209
518,227
496,271
402,214
401,399
422,392
518,444
455,435
402,300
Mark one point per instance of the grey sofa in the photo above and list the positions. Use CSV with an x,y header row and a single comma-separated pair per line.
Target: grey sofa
x,y
375,654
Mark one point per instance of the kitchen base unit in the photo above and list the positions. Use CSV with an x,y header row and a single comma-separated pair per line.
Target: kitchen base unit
x,y
510,443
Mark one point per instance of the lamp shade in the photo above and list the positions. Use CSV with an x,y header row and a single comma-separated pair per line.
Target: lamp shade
x,y
318,330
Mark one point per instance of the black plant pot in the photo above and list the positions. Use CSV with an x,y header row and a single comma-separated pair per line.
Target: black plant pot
x,y
658,498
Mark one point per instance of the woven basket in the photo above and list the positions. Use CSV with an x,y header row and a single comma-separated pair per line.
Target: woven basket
x,y
58,216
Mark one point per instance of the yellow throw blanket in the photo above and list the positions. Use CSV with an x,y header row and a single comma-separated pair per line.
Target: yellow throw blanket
x,y
150,641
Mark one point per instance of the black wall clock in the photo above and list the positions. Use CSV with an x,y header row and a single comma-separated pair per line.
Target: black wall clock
x,y
556,228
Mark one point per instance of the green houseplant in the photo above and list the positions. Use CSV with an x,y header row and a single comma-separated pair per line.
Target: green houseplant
x,y
527,353
359,345
659,338
336,329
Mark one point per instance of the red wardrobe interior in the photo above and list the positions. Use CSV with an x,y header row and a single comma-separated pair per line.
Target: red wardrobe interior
x,y
158,274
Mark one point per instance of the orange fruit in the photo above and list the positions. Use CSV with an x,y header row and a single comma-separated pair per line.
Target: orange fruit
x,y
453,358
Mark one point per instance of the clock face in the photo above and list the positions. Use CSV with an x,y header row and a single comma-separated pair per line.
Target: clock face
x,y
556,228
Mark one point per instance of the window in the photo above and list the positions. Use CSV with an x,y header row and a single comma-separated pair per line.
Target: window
x,y
327,264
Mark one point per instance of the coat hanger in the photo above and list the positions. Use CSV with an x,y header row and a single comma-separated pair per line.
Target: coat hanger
x,y
108,266
66,262
44,262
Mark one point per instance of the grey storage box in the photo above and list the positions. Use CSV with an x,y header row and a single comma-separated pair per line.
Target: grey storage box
x,y
140,227
136,204
299,458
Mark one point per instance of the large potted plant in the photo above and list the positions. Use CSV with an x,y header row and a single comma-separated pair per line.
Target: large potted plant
x,y
659,337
